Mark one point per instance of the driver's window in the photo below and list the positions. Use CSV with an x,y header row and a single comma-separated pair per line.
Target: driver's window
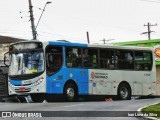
x,y
54,59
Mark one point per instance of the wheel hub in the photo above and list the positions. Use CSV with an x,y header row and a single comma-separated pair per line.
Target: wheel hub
x,y
123,92
70,92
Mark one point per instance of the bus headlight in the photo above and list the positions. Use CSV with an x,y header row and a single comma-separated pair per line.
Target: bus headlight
x,y
40,80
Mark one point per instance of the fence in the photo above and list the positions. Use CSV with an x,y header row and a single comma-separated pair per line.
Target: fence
x,y
3,81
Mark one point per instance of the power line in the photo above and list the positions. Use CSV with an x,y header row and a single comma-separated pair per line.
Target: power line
x,y
106,41
58,34
151,1
149,30
98,23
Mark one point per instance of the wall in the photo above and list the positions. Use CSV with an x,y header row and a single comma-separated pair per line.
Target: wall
x,y
3,50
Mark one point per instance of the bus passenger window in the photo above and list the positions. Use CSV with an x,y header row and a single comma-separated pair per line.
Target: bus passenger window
x,y
86,59
125,59
143,60
106,59
90,58
53,59
73,57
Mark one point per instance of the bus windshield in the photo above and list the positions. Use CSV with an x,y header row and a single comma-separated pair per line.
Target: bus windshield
x,y
26,62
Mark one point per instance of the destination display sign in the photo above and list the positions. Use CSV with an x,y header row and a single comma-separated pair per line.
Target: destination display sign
x,y
25,46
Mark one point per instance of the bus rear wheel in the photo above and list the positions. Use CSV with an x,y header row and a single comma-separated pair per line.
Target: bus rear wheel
x,y
71,92
124,92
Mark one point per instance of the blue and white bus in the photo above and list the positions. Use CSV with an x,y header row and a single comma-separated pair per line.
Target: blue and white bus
x,y
72,69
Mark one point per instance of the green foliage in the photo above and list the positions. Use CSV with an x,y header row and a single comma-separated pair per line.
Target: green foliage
x,y
152,109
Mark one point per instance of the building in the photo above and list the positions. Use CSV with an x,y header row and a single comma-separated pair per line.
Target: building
x,y
5,41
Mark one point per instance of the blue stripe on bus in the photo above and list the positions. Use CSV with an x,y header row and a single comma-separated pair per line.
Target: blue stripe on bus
x,y
15,82
67,44
55,83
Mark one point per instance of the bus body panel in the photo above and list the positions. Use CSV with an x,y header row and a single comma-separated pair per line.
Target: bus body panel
x,y
55,83
106,82
80,76
29,85
35,85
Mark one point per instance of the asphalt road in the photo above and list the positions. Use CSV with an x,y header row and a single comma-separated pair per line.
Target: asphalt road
x,y
86,110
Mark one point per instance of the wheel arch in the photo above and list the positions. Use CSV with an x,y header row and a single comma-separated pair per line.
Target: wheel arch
x,y
70,81
125,83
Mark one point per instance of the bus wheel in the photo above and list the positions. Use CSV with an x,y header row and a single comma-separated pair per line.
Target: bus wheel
x,y
70,92
37,98
124,92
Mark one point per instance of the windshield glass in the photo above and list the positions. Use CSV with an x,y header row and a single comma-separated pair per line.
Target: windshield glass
x,y
26,63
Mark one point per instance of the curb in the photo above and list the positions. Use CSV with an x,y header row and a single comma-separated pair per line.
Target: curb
x,y
144,117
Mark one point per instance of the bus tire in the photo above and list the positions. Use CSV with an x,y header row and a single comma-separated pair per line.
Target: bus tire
x,y
37,98
124,92
71,92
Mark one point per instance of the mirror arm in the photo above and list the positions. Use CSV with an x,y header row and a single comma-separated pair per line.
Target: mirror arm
x,y
5,59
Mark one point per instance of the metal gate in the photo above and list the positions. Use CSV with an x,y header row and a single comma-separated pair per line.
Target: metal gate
x,y
3,85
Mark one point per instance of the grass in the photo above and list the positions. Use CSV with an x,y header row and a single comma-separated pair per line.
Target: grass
x,y
155,109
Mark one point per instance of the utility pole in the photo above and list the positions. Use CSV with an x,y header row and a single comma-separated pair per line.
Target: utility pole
x,y
149,30
88,37
34,32
106,41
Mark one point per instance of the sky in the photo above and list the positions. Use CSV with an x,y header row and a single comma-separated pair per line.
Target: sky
x,y
121,20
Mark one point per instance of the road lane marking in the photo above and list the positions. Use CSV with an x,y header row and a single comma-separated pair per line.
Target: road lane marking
x,y
74,105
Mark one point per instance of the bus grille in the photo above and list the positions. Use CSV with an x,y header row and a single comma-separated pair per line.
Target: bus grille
x,y
20,90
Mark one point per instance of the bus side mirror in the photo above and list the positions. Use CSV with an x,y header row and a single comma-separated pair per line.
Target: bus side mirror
x,y
6,59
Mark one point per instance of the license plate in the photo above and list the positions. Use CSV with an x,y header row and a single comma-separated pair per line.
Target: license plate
x,y
22,89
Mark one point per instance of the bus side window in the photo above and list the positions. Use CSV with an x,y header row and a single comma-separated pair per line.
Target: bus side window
x,y
143,60
125,59
73,57
86,58
54,59
106,59
90,58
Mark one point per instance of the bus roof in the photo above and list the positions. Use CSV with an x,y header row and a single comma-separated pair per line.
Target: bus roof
x,y
63,43
67,43
98,45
